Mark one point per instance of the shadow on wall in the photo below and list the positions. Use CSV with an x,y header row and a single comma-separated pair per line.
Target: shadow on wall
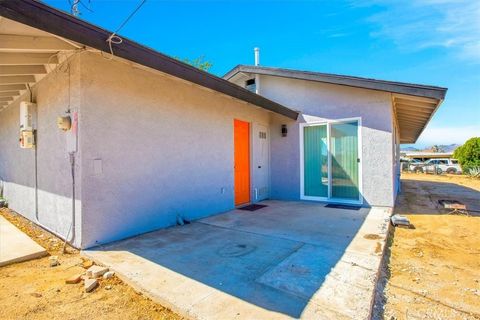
x,y
38,181
276,258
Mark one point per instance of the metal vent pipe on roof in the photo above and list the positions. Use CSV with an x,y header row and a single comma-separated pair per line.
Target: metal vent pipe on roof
x,y
257,55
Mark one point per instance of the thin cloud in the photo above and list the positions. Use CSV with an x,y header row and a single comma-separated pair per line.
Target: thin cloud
x,y
339,35
414,26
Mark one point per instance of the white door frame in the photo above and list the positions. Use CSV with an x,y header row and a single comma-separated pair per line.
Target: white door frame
x,y
329,198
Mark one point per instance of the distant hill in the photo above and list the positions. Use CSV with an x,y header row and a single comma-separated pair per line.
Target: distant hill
x,y
450,147
441,147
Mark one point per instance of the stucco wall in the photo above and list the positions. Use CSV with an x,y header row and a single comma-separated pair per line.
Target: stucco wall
x,y
154,147
317,102
47,167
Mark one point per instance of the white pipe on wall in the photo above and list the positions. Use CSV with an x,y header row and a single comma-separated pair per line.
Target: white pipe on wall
x,y
257,84
257,77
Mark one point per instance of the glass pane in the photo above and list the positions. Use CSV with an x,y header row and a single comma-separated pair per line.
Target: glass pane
x,y
344,149
315,161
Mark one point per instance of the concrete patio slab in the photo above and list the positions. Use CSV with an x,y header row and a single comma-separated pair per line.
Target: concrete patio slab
x,y
308,266
16,246
285,261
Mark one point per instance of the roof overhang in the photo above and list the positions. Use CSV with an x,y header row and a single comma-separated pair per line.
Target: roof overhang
x,y
413,113
413,104
63,32
26,56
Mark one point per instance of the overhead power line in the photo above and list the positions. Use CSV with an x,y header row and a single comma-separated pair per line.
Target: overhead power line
x,y
142,2
113,38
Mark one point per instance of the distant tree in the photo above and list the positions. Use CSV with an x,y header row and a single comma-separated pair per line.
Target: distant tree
x,y
468,155
199,63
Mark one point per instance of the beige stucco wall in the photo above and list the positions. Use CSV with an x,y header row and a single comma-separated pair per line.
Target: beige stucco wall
x,y
319,102
154,147
38,182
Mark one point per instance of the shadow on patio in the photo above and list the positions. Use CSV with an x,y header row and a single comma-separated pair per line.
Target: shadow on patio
x,y
266,263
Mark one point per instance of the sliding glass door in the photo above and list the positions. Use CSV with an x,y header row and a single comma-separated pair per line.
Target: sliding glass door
x,y
344,163
316,161
331,161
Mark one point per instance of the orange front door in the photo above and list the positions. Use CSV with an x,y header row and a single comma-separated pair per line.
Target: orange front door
x,y
241,141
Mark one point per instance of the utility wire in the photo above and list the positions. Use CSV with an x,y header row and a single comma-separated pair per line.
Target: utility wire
x,y
116,39
74,7
130,16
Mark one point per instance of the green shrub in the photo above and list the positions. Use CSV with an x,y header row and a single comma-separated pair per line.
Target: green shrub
x,y
474,172
468,155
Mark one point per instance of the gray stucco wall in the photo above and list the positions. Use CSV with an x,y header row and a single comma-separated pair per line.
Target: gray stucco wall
x,y
318,102
51,201
154,147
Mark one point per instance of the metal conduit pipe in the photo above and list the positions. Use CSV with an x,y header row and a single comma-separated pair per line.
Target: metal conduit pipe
x,y
72,163
37,219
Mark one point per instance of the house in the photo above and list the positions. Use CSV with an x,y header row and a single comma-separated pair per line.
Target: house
x,y
426,155
117,139
344,146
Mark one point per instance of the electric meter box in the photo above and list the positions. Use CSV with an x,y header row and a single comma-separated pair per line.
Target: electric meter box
x,y
26,116
27,140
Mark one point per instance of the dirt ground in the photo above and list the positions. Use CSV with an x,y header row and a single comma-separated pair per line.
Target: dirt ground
x,y
34,290
433,270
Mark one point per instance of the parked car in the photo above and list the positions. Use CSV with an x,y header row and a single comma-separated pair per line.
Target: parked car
x,y
415,165
440,166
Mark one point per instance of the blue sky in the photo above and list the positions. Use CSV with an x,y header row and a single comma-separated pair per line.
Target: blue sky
x,y
433,42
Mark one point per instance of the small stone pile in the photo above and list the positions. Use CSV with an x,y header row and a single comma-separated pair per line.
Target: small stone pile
x,y
91,276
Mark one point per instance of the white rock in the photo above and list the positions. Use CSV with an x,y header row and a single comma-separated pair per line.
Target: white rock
x,y
54,261
96,271
90,284
108,274
400,220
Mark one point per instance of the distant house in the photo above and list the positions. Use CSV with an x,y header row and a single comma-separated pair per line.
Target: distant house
x,y
426,155
149,139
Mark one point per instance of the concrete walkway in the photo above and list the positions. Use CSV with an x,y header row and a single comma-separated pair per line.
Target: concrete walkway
x,y
16,246
288,260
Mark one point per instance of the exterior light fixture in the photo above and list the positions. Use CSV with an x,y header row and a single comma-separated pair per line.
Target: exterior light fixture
x,y
284,130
